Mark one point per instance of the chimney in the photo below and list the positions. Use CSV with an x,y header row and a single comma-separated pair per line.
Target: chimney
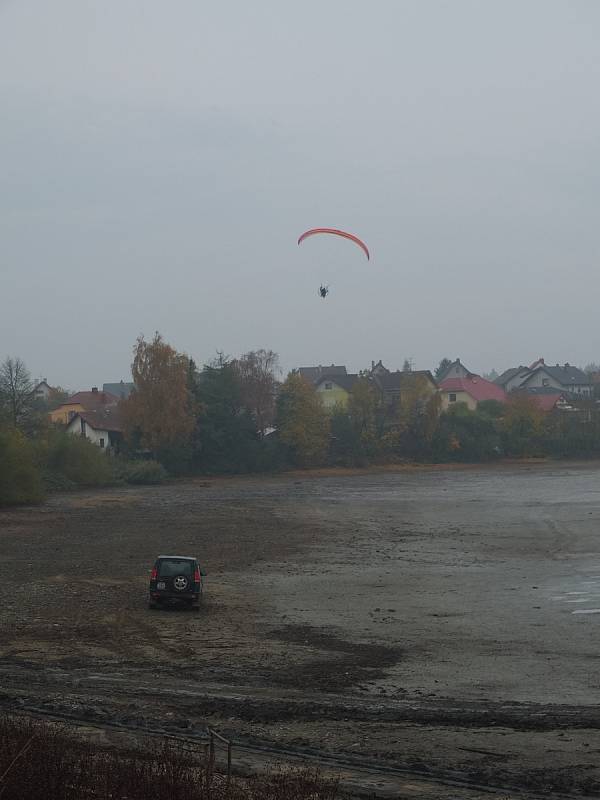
x,y
94,390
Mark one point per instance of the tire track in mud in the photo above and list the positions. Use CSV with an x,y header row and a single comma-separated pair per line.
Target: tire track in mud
x,y
250,705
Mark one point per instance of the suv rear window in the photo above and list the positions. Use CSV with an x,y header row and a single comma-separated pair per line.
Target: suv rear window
x,y
168,569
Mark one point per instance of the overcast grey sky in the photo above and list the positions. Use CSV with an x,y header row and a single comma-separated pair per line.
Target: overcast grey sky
x,y
158,161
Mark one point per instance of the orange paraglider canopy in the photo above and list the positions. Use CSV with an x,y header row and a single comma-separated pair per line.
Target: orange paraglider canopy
x,y
336,232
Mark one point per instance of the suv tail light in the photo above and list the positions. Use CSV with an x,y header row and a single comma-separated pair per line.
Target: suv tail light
x,y
154,574
197,575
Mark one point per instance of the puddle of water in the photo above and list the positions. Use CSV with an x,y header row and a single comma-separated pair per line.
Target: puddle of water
x,y
586,611
584,599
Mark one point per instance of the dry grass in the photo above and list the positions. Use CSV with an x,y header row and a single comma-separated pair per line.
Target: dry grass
x,y
40,760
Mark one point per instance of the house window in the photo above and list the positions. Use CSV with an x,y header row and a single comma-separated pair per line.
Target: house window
x,y
545,382
329,385
101,442
82,426
452,398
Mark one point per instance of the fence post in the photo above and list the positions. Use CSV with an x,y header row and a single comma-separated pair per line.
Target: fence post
x,y
212,752
211,766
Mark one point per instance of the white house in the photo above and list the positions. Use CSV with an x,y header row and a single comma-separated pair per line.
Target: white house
x,y
563,378
454,370
42,390
102,428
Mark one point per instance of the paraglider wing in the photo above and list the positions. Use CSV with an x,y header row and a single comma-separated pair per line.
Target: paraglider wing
x,y
336,232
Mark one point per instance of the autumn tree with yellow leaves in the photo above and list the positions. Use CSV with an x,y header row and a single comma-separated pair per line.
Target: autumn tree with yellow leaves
x,y
302,422
158,415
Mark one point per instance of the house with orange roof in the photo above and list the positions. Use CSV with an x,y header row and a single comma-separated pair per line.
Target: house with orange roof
x,y
82,401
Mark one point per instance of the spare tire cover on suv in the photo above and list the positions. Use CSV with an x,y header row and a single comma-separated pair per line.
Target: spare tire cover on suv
x,y
180,583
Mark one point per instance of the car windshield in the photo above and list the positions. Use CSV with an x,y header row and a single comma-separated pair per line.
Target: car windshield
x,y
168,569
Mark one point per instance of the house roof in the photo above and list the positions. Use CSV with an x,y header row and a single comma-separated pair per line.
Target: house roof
x,y
42,383
394,381
314,373
565,375
509,374
545,397
477,387
456,363
107,419
344,381
539,390
120,389
92,400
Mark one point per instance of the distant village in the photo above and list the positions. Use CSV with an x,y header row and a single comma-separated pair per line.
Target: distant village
x,y
95,415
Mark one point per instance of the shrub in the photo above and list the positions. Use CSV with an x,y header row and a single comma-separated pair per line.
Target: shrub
x,y
63,455
140,472
465,435
20,479
57,482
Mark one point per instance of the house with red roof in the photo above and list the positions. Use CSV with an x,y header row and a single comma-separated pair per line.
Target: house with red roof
x,y
547,398
470,390
82,401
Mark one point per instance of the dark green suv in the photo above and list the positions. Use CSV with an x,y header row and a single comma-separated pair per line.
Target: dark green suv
x,y
175,580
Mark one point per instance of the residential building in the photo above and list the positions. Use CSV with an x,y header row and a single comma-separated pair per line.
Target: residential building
x,y
470,390
455,370
563,378
313,374
121,390
42,390
101,427
334,390
512,378
401,389
82,401
547,398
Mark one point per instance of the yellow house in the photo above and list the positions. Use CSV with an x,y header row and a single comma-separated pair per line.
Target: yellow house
x,y
471,391
334,390
82,401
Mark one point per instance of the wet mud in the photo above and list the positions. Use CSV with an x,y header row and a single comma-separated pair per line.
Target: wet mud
x,y
439,619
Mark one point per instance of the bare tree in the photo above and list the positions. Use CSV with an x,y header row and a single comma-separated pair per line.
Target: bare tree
x,y
257,374
16,390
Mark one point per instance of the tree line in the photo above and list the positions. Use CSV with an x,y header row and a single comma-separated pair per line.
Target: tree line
x,y
235,415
